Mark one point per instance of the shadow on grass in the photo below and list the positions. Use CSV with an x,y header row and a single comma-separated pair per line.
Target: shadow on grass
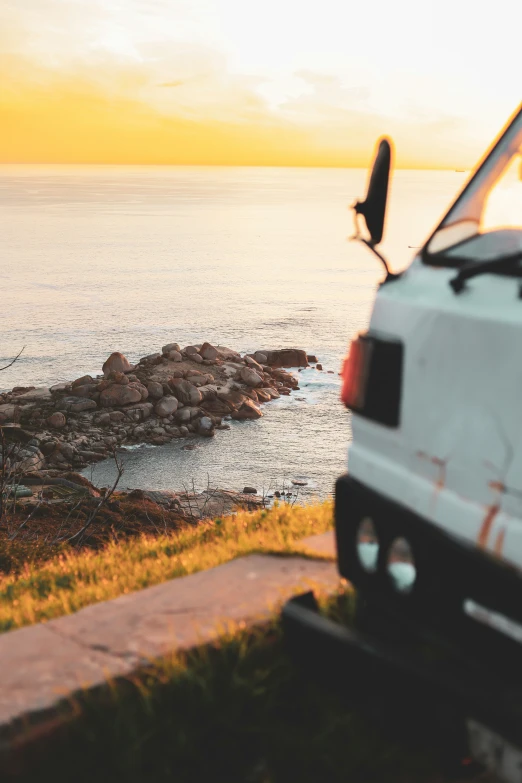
x,y
236,710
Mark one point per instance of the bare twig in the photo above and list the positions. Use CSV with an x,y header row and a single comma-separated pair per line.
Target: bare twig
x,y
14,360
79,536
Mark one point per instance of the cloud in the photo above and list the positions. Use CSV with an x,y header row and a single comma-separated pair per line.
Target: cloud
x,y
98,81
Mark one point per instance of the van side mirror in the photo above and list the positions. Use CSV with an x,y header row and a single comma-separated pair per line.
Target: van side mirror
x,y
373,208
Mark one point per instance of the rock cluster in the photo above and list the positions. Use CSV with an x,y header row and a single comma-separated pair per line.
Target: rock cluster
x,y
170,394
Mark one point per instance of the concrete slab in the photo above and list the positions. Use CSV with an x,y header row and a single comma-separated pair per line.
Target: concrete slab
x,y
43,663
322,543
40,667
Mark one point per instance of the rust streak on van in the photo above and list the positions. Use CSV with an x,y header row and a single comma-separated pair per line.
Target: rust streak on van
x,y
498,486
485,528
499,542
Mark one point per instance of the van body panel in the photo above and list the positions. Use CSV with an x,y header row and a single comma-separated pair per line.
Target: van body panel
x,y
456,457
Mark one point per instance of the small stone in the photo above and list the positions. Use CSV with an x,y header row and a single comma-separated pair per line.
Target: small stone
x,y
175,356
116,416
48,447
151,358
206,426
311,358
249,491
118,377
318,366
190,350
170,347
56,420
183,416
195,357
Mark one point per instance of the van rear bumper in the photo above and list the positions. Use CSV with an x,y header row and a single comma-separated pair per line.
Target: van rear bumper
x,y
381,665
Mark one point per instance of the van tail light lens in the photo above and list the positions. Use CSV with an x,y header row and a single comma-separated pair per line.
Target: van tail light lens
x,y
355,373
372,378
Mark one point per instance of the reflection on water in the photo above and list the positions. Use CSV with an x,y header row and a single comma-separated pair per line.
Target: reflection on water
x,y
107,258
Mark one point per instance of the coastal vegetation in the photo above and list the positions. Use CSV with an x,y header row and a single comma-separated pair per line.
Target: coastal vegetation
x,y
66,579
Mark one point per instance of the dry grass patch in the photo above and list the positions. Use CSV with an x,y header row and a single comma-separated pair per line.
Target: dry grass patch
x,y
73,579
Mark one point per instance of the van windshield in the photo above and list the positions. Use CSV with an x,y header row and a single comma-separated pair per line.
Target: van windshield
x,y
485,221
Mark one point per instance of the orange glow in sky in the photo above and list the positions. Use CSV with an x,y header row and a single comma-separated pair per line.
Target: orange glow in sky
x,y
272,83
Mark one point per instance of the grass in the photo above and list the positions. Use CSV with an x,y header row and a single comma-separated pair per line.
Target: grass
x,y
74,579
235,711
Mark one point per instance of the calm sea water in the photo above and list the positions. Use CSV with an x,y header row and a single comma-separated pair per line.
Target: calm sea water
x,y
102,259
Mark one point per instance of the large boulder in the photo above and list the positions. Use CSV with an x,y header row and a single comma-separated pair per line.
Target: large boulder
x,y
216,407
286,357
78,404
116,362
60,387
85,379
250,377
247,410
185,391
141,388
253,364
207,351
42,394
155,390
274,394
263,395
231,396
118,395
166,406
9,412
83,390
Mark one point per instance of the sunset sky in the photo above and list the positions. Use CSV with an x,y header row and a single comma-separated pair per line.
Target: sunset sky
x,y
277,82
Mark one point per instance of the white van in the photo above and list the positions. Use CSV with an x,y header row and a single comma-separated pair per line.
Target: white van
x,y
429,516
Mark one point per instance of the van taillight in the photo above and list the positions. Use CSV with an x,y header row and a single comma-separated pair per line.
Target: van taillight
x,y
355,371
372,378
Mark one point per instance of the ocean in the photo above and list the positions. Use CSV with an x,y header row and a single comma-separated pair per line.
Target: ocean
x,y
98,259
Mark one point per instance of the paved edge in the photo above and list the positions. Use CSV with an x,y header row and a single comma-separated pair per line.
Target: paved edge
x,y
45,664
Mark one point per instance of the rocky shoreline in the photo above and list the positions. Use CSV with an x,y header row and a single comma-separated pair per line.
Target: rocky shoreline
x,y
175,393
